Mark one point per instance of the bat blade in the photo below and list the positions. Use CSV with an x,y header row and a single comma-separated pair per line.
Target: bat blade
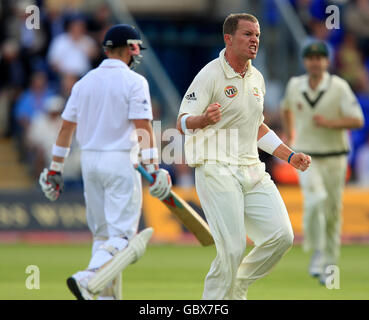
x,y
185,214
189,218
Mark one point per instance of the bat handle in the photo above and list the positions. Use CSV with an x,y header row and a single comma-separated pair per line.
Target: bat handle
x,y
147,176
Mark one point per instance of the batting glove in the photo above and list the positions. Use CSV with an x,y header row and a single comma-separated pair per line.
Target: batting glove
x,y
162,184
51,183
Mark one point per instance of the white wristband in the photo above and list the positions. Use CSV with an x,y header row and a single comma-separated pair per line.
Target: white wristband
x,y
60,151
183,123
269,142
56,166
149,153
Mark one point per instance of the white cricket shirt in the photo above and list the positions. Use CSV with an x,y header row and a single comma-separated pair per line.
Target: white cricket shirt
x,y
102,104
334,99
232,140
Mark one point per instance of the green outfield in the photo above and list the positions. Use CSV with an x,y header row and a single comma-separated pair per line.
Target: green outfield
x,y
175,272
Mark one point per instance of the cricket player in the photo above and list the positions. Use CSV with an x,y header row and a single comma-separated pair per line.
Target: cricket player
x,y
107,108
221,116
317,111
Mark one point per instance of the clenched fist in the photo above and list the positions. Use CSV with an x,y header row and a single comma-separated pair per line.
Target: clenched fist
x,y
213,113
300,161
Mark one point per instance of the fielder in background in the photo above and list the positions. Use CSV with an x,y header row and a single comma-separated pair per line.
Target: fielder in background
x,y
317,111
107,108
222,118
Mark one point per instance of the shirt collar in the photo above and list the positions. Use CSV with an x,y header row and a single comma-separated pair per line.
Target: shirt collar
x,y
113,63
323,85
228,70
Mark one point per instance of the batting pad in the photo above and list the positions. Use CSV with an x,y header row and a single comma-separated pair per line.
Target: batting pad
x,y
134,251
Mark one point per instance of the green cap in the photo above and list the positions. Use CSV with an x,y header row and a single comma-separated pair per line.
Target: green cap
x,y
315,48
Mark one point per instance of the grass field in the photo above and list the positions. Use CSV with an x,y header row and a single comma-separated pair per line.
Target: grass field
x,y
175,272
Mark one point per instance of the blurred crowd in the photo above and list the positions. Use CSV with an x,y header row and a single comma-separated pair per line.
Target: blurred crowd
x,y
39,67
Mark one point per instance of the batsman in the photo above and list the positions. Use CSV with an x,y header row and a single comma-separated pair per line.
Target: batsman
x,y
222,118
107,108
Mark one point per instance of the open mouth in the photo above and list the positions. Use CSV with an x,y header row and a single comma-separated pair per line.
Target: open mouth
x,y
253,49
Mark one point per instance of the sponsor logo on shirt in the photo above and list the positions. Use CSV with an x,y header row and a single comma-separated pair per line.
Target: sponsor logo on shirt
x,y
230,91
256,93
191,96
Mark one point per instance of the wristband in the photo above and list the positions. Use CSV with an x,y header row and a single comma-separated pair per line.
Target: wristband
x,y
269,142
150,168
149,153
183,123
289,158
56,166
60,151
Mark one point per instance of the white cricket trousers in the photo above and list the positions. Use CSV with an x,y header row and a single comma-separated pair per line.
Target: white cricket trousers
x,y
113,193
240,200
322,186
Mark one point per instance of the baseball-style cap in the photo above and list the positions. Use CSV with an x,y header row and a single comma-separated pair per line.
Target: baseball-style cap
x,y
122,35
316,47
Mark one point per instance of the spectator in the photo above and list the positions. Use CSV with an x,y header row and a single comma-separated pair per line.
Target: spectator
x,y
30,104
32,41
14,78
54,19
41,143
349,61
66,84
72,51
356,18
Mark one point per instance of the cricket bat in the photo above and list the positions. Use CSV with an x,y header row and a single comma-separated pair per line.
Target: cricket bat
x,y
185,213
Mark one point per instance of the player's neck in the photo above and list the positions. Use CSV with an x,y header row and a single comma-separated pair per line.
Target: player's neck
x,y
314,81
239,66
124,58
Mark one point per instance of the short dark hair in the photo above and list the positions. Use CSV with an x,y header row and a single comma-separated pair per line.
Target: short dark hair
x,y
231,22
115,50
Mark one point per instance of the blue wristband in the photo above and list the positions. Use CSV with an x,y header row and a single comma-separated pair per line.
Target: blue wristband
x,y
289,158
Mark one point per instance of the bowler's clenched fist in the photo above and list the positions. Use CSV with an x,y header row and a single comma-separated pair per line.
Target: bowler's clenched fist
x,y
300,161
213,113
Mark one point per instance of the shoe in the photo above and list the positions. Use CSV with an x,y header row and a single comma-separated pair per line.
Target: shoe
x,y
77,284
315,267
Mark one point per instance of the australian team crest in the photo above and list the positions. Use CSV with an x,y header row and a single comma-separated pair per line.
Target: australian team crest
x,y
256,92
230,91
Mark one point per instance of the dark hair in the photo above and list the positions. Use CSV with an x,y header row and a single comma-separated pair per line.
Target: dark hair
x,y
231,22
115,50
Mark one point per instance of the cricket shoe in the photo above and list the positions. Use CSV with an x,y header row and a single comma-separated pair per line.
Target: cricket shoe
x,y
316,264
77,284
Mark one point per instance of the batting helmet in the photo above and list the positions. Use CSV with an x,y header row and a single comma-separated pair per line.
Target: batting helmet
x,y
121,35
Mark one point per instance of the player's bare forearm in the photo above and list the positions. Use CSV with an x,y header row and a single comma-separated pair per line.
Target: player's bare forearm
x,y
282,152
193,123
65,136
145,133
211,116
299,161
341,123
146,137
